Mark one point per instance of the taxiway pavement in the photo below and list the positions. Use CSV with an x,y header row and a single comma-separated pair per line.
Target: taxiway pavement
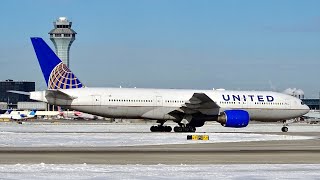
x,y
276,152
258,152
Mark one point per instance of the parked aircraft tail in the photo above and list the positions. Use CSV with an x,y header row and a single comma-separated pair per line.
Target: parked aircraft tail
x,y
8,111
56,74
33,113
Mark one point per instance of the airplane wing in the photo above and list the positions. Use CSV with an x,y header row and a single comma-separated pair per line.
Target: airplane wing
x,y
19,92
200,103
52,93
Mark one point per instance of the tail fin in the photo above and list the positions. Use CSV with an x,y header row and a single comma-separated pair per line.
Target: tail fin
x,y
33,113
8,111
56,74
60,111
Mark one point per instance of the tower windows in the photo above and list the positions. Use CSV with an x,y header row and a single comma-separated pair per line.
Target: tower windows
x,y
63,26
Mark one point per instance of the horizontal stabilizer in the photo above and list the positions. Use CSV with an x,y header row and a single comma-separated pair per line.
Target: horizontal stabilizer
x,y
57,94
20,92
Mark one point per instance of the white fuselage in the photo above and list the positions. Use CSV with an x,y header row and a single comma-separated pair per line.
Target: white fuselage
x,y
16,116
158,103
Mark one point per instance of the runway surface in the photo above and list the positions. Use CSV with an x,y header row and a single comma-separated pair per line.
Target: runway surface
x,y
160,171
27,143
278,152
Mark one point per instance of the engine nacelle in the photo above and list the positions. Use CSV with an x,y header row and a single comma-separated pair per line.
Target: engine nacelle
x,y
234,118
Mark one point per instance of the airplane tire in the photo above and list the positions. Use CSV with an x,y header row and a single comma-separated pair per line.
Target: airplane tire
x,y
177,129
186,129
284,129
153,129
192,129
160,129
167,128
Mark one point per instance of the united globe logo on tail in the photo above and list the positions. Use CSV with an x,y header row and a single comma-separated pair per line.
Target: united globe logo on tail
x,y
56,74
62,78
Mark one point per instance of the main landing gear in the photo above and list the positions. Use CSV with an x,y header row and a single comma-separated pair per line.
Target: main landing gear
x,y
285,128
184,128
181,128
161,127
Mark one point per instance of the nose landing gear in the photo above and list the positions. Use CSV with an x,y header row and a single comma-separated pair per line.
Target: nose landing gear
x,y
284,128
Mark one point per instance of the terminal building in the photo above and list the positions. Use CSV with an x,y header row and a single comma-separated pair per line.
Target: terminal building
x,y
10,99
312,103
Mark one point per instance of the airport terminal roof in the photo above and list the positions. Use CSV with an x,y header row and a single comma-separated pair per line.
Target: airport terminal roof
x,y
10,80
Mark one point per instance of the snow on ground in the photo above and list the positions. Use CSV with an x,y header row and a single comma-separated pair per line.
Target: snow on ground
x,y
145,127
107,135
125,139
85,171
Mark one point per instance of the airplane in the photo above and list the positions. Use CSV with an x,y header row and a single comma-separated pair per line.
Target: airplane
x,y
18,116
6,114
76,115
188,108
85,116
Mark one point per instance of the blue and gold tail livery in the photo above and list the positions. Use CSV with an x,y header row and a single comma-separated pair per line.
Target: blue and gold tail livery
x,y
56,74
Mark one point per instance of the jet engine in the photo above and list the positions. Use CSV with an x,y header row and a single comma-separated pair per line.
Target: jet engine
x,y
234,118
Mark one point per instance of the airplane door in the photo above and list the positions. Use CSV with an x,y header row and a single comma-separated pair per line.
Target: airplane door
x,y
158,110
96,100
245,104
158,101
289,103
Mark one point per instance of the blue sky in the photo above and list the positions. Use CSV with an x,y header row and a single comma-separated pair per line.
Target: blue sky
x,y
200,44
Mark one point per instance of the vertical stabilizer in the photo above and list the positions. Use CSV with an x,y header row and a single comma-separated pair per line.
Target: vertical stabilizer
x,y
33,112
56,74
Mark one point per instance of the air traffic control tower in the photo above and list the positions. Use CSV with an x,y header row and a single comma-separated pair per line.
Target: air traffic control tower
x,y
62,37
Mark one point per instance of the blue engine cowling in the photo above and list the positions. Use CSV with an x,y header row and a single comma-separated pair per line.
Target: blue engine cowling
x,y
236,118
